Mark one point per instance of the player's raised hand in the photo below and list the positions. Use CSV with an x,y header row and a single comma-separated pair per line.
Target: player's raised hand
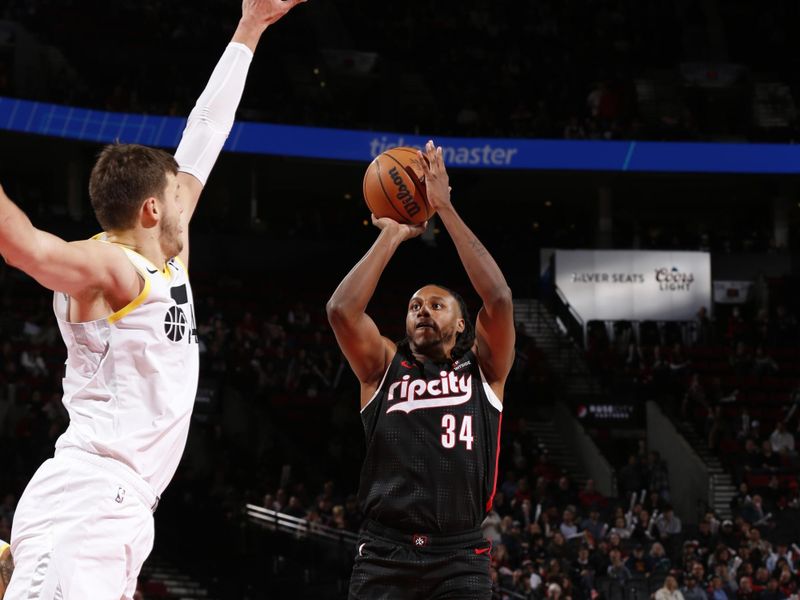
x,y
264,13
437,182
405,231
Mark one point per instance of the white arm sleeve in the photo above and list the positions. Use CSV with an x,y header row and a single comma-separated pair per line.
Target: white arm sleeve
x,y
212,117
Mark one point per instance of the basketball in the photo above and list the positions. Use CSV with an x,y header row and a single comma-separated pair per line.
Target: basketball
x,y
392,187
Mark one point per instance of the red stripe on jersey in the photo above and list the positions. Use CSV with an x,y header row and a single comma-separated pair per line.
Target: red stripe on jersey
x,y
496,463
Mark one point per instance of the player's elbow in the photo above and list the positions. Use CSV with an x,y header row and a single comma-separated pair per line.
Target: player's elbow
x,y
340,312
335,311
24,261
500,298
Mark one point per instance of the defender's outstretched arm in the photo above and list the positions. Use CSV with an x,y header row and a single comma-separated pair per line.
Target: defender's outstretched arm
x,y
212,118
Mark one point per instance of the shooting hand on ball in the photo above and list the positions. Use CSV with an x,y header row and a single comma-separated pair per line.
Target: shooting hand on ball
x,y
437,182
404,231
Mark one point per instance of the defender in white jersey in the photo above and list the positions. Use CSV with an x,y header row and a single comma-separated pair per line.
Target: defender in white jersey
x,y
84,525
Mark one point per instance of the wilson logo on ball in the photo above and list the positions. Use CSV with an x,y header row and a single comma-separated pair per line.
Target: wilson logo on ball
x,y
404,195
393,187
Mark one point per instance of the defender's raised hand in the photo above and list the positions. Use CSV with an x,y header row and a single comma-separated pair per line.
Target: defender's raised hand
x,y
266,12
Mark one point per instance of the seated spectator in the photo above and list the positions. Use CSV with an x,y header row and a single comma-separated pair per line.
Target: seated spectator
x,y
638,563
727,535
781,440
719,591
564,494
617,570
770,461
678,363
781,552
558,547
787,582
745,591
534,579
643,528
659,559
742,427
553,592
294,508
670,590
589,495
763,363
692,590
583,570
753,511
568,527
760,580
773,591
596,527
667,523
620,529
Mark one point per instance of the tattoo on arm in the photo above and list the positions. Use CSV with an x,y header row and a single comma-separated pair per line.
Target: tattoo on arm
x,y
478,248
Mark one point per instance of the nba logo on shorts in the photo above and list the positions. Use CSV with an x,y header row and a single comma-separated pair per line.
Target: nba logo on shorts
x,y
420,540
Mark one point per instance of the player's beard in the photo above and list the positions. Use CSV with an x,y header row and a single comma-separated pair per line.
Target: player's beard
x,y
432,343
171,242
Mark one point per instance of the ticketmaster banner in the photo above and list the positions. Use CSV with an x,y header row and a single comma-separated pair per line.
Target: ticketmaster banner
x,y
615,285
362,146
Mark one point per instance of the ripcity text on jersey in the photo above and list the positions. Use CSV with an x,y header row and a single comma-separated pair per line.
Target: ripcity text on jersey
x,y
432,446
131,378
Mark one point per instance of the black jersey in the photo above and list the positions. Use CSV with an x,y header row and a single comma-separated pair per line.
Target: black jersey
x,y
432,446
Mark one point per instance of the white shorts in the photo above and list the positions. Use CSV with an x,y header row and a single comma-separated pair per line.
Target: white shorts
x,y
82,530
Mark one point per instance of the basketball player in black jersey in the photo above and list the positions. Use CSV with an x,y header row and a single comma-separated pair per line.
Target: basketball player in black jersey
x,y
431,408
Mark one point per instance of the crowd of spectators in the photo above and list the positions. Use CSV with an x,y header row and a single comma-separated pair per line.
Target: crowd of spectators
x,y
607,69
551,542
734,379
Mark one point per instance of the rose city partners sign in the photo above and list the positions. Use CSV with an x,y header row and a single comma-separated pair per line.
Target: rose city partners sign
x,y
616,285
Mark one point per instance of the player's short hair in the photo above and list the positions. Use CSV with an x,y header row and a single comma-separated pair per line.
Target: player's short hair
x,y
123,177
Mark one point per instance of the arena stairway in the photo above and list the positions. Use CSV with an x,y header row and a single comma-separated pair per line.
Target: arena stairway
x,y
721,486
159,580
563,356
550,438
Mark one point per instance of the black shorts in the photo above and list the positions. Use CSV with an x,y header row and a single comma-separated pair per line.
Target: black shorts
x,y
392,565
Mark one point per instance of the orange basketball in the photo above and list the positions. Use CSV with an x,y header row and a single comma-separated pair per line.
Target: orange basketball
x,y
392,187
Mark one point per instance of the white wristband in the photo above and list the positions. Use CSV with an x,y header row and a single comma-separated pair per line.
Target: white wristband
x,y
211,120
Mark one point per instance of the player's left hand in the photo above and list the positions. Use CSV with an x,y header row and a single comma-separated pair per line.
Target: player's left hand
x,y
264,13
437,182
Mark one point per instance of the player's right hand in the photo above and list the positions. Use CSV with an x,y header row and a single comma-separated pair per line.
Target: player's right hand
x,y
406,232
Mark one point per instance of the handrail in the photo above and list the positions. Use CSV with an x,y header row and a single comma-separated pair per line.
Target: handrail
x,y
569,317
279,521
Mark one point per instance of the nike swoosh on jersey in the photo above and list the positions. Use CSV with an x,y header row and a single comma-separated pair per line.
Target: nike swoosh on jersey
x,y
151,272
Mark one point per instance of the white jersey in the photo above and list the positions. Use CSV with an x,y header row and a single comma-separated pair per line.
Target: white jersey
x,y
131,378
